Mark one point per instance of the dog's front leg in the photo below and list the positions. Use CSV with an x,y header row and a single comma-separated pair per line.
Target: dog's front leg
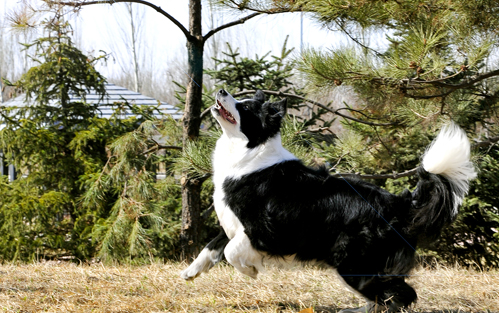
x,y
208,257
240,254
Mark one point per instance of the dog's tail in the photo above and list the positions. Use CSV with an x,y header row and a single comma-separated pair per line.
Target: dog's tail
x,y
444,181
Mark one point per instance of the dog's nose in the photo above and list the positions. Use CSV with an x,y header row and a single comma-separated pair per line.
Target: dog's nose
x,y
223,92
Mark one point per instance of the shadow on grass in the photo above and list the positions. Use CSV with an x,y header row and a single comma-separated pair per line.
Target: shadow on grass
x,y
297,307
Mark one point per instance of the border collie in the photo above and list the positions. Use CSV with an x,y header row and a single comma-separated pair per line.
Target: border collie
x,y
271,206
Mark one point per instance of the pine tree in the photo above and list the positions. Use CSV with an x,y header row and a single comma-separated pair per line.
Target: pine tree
x,y
142,220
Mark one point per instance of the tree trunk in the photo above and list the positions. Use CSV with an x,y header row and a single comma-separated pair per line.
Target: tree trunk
x,y
191,220
191,187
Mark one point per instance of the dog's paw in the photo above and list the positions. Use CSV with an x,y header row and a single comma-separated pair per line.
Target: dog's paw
x,y
250,271
189,274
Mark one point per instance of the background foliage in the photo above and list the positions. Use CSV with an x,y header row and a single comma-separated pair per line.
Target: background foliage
x,y
91,189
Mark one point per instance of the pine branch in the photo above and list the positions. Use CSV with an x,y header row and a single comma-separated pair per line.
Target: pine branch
x,y
321,129
336,112
413,84
207,212
440,83
157,8
243,6
357,111
161,147
378,176
205,112
439,95
487,142
240,21
356,40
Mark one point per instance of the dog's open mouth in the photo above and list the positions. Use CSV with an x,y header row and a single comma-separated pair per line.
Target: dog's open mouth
x,y
224,113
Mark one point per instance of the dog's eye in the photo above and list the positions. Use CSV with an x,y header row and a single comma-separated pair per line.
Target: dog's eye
x,y
245,107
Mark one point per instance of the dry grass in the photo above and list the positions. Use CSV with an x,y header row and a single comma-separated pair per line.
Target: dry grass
x,y
64,287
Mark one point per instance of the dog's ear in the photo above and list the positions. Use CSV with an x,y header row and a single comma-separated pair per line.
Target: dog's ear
x,y
277,108
260,96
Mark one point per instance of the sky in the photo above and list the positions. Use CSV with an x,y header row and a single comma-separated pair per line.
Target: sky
x,y
256,36
264,33
99,27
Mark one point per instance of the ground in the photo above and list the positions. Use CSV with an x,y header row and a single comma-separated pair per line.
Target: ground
x,y
67,287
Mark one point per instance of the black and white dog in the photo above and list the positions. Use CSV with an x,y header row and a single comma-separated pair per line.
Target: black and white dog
x,y
271,206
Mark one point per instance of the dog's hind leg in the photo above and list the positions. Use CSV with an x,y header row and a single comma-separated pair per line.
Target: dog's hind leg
x,y
208,257
384,294
240,254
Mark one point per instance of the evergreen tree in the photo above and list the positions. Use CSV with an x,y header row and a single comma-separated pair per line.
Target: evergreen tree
x,y
56,145
139,214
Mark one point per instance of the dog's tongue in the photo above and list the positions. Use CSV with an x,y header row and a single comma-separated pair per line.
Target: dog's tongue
x,y
228,116
225,113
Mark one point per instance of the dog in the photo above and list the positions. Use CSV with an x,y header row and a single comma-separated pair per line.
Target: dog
x,y
271,206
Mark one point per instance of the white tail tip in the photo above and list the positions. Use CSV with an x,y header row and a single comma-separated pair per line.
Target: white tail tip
x,y
449,156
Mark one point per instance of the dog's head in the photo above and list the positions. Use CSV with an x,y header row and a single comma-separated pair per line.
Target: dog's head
x,y
255,119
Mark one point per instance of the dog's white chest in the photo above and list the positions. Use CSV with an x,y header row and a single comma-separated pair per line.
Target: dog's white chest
x,y
232,159
225,164
227,219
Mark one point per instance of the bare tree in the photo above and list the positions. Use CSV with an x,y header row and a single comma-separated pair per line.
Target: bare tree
x,y
133,42
130,19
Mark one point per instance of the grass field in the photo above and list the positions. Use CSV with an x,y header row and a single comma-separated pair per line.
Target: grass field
x,y
66,287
